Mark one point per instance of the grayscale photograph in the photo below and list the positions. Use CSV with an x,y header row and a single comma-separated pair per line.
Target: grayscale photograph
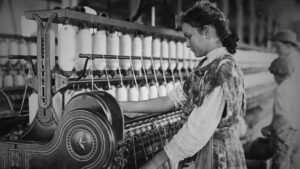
x,y
149,84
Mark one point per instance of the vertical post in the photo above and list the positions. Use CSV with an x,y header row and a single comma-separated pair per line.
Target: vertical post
x,y
276,27
73,3
69,3
252,22
269,29
153,16
65,3
133,7
240,19
48,4
261,29
179,7
178,13
225,7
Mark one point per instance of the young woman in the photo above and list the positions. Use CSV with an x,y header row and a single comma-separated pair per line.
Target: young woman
x,y
212,97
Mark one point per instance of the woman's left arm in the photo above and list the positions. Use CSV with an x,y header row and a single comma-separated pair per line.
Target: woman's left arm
x,y
195,133
158,161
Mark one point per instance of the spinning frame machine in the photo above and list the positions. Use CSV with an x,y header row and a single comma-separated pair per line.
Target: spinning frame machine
x,y
93,131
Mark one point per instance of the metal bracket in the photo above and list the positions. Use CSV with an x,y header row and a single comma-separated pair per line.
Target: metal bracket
x,y
43,61
32,82
60,82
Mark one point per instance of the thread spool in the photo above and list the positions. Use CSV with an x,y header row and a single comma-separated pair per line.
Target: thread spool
x,y
156,53
13,50
147,51
172,55
66,47
4,51
113,48
121,93
137,51
144,92
125,50
24,51
162,91
19,80
164,54
179,54
99,48
8,80
133,94
28,27
153,91
84,46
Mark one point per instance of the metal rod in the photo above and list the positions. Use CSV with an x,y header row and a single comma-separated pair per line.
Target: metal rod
x,y
74,81
153,16
145,75
83,70
106,74
164,75
76,18
17,37
25,57
154,71
134,152
134,77
96,56
23,100
144,149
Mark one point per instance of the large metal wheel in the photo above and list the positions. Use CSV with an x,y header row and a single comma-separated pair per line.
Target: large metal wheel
x,y
82,140
89,140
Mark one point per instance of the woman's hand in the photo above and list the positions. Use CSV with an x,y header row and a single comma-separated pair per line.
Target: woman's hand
x,y
159,161
266,131
161,104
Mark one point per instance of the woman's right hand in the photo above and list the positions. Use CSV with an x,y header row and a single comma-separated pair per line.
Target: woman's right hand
x,y
161,104
266,131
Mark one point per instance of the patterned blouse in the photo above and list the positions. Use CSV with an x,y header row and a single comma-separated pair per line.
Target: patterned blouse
x,y
212,98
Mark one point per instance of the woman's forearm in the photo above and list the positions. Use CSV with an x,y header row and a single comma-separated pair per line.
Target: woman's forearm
x,y
161,104
157,161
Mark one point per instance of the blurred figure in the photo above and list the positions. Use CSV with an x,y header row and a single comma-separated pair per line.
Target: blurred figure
x,y
284,129
285,44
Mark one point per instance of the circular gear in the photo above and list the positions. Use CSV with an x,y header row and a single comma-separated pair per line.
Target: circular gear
x,y
89,139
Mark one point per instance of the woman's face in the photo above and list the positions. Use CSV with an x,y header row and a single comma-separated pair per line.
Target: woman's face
x,y
281,48
196,41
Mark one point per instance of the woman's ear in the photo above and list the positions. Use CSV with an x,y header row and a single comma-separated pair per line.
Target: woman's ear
x,y
209,31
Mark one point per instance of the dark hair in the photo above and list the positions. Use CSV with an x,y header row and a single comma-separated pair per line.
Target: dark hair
x,y
206,13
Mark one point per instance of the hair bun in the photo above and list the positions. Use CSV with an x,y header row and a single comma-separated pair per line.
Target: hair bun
x,y
230,42
235,37
231,37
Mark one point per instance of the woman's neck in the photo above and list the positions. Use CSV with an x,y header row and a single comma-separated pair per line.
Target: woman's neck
x,y
214,46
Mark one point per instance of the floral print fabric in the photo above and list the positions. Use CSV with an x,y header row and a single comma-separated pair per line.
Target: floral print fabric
x,y
224,149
